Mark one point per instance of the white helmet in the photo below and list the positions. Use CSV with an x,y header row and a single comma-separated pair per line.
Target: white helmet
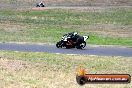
x,y
75,33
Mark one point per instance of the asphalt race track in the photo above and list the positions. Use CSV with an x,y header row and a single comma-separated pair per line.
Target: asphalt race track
x,y
101,51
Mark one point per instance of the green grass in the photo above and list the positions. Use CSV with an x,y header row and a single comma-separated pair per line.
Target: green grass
x,y
39,70
48,26
62,17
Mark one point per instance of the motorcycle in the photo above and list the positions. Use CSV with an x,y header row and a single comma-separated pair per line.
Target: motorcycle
x,y
40,5
69,42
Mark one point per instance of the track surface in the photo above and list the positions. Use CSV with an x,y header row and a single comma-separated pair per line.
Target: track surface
x,y
101,51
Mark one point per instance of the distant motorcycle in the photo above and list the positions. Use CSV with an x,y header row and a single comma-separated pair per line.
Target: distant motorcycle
x,y
40,5
74,41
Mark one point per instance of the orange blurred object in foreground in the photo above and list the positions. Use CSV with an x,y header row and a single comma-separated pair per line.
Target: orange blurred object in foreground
x,y
81,71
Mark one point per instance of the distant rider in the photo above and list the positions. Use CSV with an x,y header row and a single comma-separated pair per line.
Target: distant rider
x,y
41,4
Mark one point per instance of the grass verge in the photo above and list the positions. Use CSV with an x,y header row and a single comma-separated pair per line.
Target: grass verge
x,y
44,70
108,27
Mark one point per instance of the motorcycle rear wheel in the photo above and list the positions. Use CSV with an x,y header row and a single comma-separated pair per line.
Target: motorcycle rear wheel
x,y
82,45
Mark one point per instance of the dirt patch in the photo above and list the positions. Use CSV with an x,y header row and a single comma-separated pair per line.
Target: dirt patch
x,y
105,29
111,30
39,9
79,9
13,65
12,27
26,74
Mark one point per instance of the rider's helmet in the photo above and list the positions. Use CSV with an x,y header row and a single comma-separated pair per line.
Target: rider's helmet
x,y
75,33
41,3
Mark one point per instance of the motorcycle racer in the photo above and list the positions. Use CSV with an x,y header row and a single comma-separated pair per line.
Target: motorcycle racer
x,y
72,40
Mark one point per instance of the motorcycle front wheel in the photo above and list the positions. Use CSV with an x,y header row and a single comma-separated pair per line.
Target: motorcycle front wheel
x,y
58,44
